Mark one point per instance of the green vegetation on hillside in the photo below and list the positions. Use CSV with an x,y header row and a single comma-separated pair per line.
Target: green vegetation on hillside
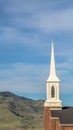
x,y
20,112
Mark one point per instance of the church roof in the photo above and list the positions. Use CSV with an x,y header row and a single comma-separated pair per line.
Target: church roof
x,y
65,115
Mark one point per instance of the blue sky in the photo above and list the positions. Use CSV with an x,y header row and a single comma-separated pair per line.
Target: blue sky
x,y
27,28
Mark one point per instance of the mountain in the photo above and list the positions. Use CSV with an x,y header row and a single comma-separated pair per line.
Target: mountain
x,y
20,112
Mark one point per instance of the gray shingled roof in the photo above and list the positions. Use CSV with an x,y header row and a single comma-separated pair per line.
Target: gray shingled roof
x,y
65,115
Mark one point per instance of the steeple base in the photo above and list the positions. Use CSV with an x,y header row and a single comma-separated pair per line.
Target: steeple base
x,y
53,105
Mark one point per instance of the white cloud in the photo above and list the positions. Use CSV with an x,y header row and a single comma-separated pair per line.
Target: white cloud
x,y
32,78
23,78
27,22
59,20
39,17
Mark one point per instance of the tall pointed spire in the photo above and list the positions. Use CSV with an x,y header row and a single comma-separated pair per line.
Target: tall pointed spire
x,y
52,86
52,64
52,76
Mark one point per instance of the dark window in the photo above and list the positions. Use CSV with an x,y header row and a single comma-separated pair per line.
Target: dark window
x,y
52,92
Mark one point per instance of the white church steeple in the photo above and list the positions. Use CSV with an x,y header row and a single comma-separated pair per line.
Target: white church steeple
x,y
52,83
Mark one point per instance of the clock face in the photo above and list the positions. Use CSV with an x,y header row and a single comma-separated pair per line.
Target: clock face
x,y
52,91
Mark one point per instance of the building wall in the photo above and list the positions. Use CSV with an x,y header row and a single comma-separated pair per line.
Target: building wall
x,y
66,127
53,123
47,119
49,123
56,124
